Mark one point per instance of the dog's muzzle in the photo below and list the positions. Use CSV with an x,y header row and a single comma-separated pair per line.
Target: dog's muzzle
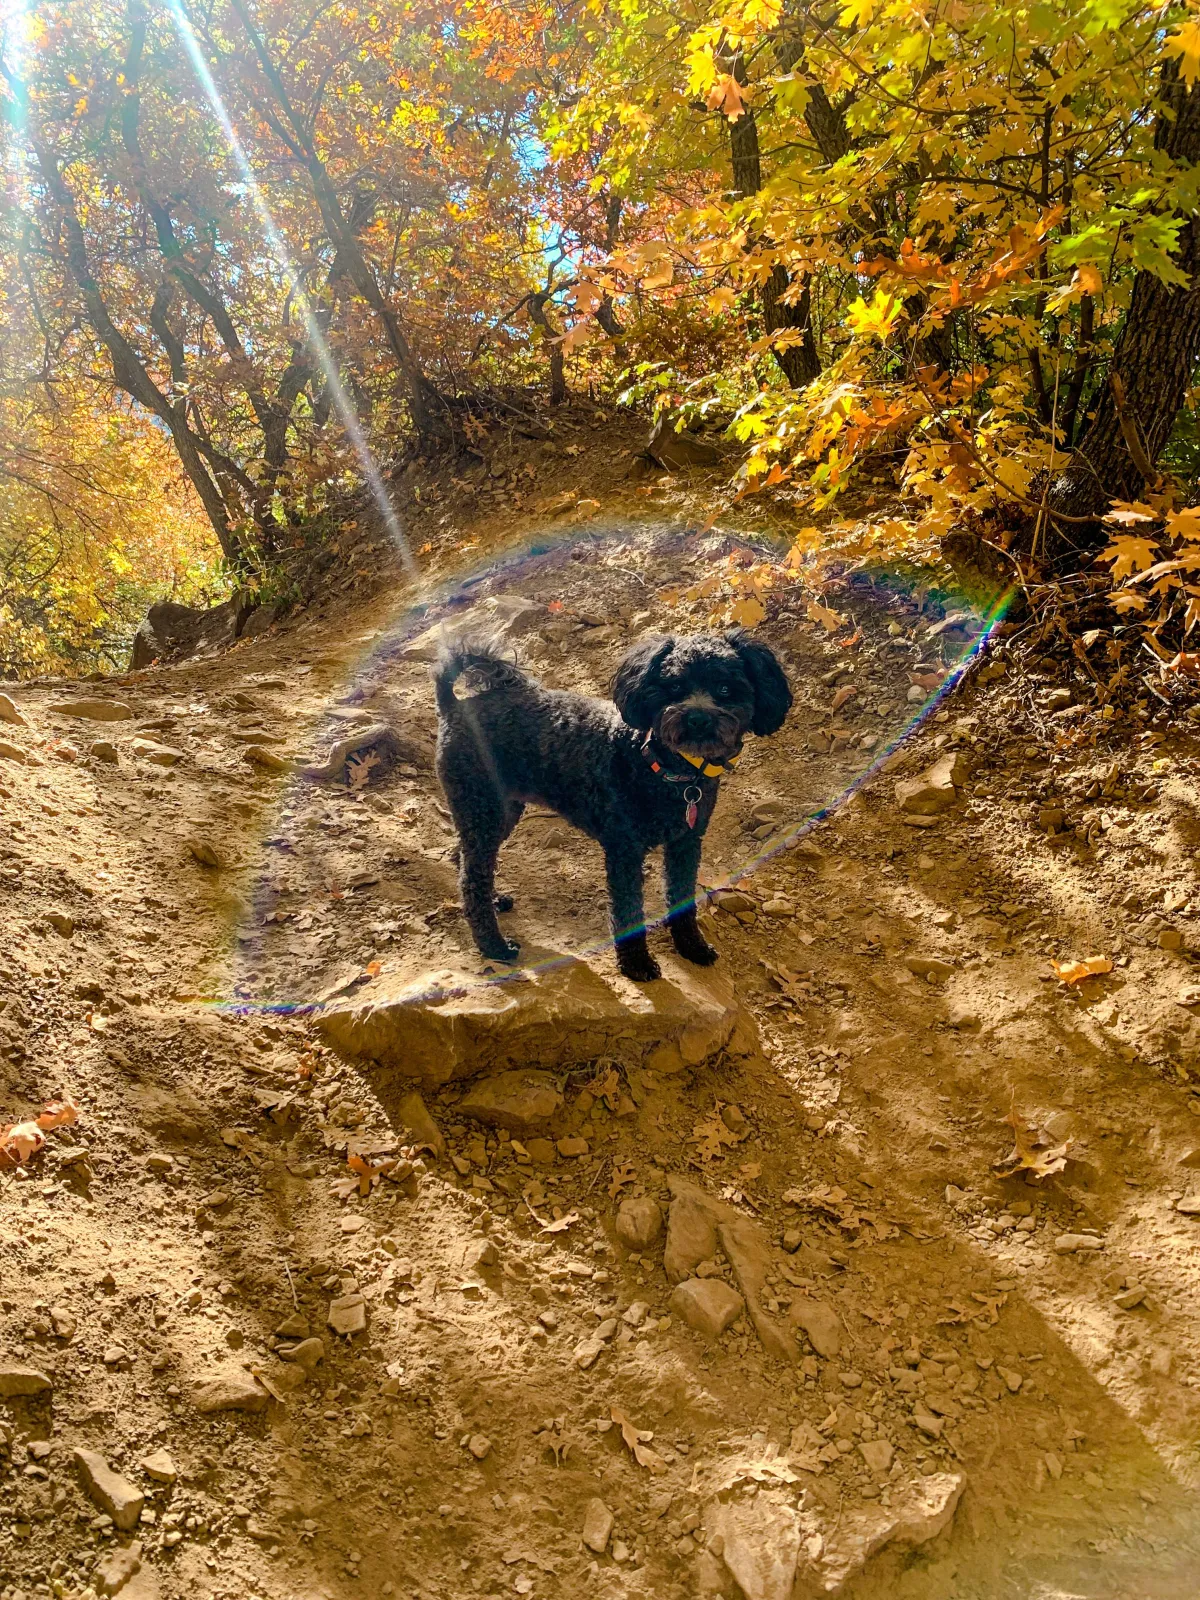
x,y
700,730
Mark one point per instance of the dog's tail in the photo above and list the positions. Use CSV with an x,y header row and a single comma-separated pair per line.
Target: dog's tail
x,y
482,659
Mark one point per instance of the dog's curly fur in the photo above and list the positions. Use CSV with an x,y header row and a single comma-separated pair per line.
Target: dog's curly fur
x,y
512,742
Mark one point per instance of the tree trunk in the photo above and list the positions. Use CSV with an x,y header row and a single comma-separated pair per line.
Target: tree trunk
x,y
424,401
1156,353
798,362
553,343
129,370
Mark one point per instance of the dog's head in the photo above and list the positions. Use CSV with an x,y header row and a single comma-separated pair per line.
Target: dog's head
x,y
702,693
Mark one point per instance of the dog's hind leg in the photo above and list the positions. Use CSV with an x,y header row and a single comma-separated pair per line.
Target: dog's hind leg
x,y
681,863
486,831
624,870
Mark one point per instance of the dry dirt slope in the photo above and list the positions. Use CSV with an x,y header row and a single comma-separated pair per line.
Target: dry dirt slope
x,y
200,1217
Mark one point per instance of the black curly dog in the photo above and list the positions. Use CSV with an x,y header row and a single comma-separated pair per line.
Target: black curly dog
x,y
636,774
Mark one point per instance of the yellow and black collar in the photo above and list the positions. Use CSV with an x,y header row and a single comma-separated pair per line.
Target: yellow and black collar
x,y
701,768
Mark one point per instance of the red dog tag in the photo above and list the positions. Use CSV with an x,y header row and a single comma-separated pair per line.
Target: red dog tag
x,y
691,794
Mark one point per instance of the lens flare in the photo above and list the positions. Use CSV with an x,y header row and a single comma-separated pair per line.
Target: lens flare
x,y
279,249
384,660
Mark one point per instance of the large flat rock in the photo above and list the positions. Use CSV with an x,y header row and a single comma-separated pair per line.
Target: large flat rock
x,y
461,1026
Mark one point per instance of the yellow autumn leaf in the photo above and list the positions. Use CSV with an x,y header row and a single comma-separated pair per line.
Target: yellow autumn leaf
x,y
748,612
1184,524
1185,43
1129,554
1127,512
877,319
828,618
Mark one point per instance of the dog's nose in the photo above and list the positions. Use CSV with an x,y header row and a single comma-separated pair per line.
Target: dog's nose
x,y
696,722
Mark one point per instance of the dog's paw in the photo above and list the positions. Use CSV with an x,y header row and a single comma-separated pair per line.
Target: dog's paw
x,y
504,902
640,968
506,950
698,951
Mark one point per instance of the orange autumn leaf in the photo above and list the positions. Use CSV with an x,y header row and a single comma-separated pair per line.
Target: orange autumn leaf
x,y
24,1140
1077,971
58,1114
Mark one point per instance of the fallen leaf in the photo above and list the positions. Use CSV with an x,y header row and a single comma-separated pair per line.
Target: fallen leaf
x,y
623,1174
560,1224
1032,1151
369,1173
637,1440
19,1142
533,1196
824,615
748,612
770,1467
927,680
709,1136
58,1114
840,698
22,1140
606,1086
358,770
1077,971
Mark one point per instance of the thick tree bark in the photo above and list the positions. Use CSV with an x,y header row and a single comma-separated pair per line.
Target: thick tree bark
x,y
1155,355
782,307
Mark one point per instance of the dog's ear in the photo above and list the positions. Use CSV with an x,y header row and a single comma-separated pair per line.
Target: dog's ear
x,y
635,680
772,692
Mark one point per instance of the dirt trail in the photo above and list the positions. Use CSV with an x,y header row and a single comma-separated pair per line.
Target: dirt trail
x,y
201,1216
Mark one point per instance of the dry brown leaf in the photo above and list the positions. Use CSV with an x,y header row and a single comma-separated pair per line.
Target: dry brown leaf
x,y
358,770
606,1086
638,1441
1031,1151
840,698
560,1224
770,1467
623,1174
710,1135
533,1197
1078,971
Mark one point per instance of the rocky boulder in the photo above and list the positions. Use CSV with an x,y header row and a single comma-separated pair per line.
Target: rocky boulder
x,y
774,1552
462,1026
498,617
172,632
936,789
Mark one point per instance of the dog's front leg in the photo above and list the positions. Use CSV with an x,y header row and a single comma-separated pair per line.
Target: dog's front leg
x,y
624,871
681,863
